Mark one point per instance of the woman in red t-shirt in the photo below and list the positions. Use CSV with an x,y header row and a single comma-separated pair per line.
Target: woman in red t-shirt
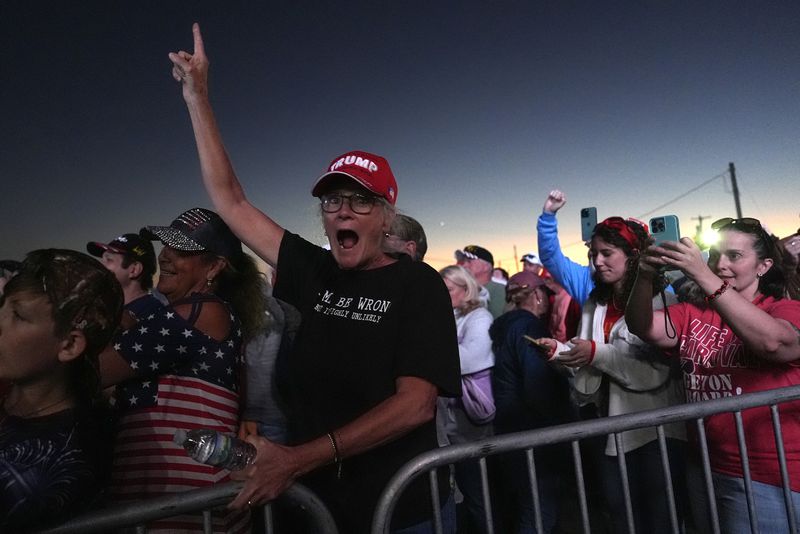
x,y
742,338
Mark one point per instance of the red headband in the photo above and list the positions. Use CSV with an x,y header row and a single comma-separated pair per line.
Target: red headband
x,y
619,225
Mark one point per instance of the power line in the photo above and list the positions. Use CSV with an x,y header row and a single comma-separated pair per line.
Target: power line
x,y
665,204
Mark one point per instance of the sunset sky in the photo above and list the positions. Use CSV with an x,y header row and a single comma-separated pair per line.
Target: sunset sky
x,y
481,108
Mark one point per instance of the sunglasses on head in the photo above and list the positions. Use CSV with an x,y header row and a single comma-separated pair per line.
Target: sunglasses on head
x,y
747,222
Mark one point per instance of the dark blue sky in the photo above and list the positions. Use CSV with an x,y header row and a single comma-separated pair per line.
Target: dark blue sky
x,y
480,107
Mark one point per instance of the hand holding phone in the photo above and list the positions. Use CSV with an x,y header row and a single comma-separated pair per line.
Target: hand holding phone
x,y
665,228
544,347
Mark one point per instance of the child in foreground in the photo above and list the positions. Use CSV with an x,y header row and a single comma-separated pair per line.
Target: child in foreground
x,y
56,315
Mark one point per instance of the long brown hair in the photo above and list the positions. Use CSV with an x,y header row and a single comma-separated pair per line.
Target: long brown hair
x,y
632,245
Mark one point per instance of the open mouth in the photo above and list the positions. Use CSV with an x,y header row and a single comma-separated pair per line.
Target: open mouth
x,y
347,239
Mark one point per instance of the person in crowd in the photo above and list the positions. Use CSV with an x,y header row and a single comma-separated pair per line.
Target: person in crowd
x,y
8,268
475,354
406,236
575,278
565,312
132,259
376,344
265,412
531,262
619,373
791,263
56,315
500,276
743,336
480,263
791,246
528,394
182,360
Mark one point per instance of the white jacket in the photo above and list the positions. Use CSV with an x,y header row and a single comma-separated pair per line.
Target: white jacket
x,y
640,377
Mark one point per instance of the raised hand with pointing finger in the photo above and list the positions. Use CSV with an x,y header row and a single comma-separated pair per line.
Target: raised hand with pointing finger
x,y
191,70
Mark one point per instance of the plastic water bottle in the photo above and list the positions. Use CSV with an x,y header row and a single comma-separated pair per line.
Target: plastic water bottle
x,y
215,448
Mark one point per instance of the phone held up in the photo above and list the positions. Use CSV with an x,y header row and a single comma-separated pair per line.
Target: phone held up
x,y
665,228
588,222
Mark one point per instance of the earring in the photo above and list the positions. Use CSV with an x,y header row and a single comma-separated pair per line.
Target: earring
x,y
209,281
759,275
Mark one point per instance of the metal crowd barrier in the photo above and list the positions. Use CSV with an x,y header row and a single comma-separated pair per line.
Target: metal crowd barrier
x,y
574,432
137,515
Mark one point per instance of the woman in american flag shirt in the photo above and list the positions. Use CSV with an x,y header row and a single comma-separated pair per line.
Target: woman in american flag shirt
x,y
178,367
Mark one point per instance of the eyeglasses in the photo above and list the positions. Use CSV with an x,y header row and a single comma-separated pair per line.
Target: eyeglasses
x,y
747,222
361,204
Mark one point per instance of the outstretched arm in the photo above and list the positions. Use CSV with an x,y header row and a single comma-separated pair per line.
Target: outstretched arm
x,y
771,338
253,227
575,278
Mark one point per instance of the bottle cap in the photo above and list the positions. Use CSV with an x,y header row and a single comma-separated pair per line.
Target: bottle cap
x,y
179,437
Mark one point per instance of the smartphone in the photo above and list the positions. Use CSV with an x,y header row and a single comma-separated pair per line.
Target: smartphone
x,y
665,228
536,344
588,222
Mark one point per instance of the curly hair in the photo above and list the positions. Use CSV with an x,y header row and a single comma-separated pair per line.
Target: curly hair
x,y
603,292
245,288
85,296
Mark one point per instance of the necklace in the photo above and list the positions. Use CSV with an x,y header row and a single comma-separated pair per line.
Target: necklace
x,y
30,414
614,303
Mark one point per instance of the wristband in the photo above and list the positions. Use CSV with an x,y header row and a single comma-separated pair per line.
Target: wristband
x,y
336,458
594,348
722,289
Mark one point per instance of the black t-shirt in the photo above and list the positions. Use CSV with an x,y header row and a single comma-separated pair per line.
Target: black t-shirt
x,y
51,468
360,331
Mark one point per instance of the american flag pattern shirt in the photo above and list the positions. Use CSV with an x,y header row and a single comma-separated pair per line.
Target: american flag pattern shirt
x,y
186,380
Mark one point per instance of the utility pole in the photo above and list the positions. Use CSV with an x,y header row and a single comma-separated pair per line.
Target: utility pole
x,y
516,259
735,186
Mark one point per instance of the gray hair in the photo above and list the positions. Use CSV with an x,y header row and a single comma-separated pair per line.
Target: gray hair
x,y
409,229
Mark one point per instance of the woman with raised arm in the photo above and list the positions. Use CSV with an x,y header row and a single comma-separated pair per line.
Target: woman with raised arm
x,y
377,342
620,373
743,337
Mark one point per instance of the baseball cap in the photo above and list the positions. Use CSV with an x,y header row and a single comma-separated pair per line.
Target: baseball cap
x,y
133,246
369,170
531,258
197,229
525,279
474,252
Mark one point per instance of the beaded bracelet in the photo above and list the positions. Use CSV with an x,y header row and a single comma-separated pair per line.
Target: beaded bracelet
x,y
336,458
722,289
